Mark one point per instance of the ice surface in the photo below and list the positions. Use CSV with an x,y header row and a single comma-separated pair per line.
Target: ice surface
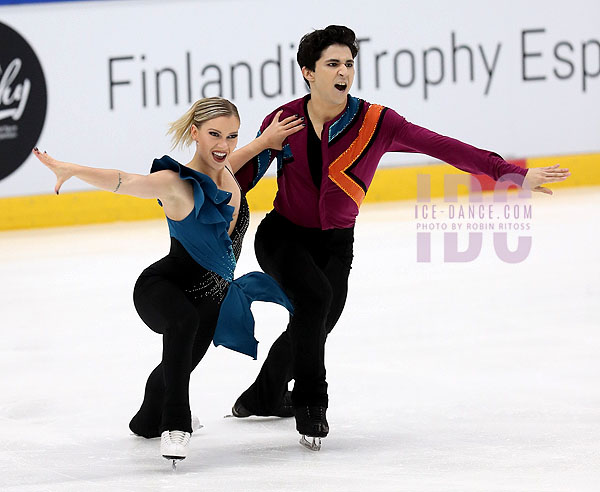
x,y
478,376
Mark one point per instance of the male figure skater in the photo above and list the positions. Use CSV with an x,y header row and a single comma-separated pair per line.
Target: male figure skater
x,y
305,243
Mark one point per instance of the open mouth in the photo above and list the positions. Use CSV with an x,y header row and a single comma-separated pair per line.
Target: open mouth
x,y
219,156
341,86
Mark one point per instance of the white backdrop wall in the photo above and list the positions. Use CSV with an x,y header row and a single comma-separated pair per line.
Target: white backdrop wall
x,y
519,76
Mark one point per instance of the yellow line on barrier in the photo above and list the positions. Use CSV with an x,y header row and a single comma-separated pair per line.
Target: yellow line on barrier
x,y
400,183
86,207
389,184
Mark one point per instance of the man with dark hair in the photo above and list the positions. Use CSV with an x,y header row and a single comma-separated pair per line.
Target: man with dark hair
x,y
305,243
312,45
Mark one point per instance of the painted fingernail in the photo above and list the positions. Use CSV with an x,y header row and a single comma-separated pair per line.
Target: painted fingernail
x,y
302,118
44,151
36,149
303,124
296,115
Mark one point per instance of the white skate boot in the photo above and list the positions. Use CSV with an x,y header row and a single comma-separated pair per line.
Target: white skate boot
x,y
173,445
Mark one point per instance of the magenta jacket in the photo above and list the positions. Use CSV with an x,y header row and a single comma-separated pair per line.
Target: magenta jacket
x,y
352,145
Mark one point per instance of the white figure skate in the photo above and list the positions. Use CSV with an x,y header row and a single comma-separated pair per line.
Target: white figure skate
x,y
174,445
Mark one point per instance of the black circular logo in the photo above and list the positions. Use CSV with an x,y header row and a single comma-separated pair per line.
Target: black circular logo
x,y
22,100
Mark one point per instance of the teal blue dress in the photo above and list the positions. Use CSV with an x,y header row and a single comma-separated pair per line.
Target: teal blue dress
x,y
204,235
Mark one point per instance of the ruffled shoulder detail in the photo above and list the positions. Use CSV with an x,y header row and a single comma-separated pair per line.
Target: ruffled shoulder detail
x,y
211,204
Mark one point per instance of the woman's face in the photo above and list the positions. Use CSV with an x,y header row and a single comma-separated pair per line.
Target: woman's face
x,y
216,139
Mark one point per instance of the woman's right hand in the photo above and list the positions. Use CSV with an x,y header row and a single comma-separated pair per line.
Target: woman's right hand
x,y
276,133
62,170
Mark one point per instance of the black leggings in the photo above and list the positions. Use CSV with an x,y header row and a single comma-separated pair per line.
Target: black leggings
x,y
180,300
312,266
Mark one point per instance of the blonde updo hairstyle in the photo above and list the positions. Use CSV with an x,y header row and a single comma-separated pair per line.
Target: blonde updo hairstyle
x,y
201,111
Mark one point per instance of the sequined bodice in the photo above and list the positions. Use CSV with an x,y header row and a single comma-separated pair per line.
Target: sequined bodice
x,y
241,226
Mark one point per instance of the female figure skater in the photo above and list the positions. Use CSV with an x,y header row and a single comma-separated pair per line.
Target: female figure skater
x,y
181,295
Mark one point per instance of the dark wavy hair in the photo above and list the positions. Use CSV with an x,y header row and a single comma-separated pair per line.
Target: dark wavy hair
x,y
312,44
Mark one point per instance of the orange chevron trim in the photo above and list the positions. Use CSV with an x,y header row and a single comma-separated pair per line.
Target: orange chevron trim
x,y
337,169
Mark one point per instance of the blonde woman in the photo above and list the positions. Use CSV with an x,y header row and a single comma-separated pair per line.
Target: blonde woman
x,y
181,295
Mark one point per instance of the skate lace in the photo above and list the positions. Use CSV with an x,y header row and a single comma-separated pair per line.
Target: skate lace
x,y
316,413
179,437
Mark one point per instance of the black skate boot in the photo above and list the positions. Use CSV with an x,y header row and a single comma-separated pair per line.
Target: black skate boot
x,y
285,410
311,421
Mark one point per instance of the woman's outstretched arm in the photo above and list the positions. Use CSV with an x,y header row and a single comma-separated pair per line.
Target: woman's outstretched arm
x,y
161,184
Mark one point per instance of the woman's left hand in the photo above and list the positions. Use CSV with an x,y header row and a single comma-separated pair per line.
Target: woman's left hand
x,y
61,169
537,176
276,133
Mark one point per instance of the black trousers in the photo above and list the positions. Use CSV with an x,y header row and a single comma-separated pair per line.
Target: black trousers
x,y
180,300
312,266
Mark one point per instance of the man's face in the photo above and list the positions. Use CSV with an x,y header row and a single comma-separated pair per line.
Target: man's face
x,y
333,74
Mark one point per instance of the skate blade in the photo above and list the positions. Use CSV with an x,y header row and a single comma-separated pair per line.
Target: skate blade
x,y
314,445
174,459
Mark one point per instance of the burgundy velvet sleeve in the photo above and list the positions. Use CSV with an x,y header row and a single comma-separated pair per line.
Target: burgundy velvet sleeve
x,y
251,172
407,137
